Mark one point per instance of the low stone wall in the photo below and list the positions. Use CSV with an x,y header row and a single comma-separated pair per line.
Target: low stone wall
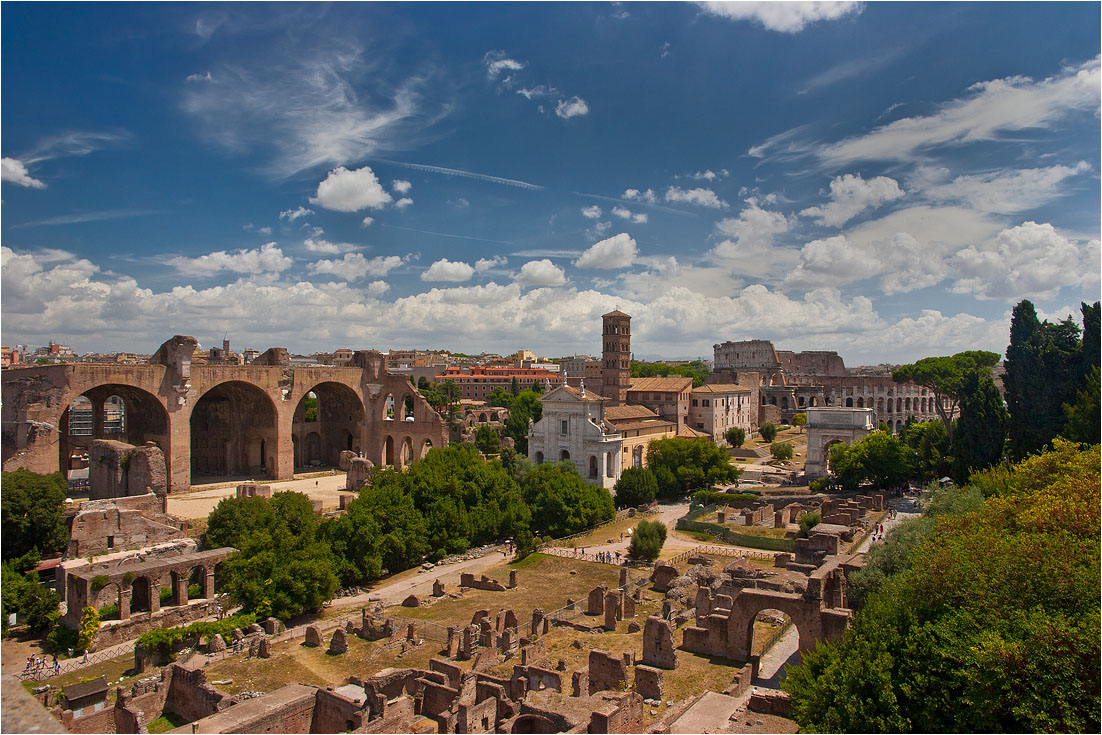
x,y
139,623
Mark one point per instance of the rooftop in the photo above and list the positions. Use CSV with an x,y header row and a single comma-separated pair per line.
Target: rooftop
x,y
660,385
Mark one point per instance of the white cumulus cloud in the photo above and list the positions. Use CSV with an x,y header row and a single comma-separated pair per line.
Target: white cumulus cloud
x,y
497,62
700,197
14,171
292,214
1028,261
403,202
350,191
401,186
367,221
447,270
850,195
540,273
573,107
318,245
266,259
593,212
376,289
485,264
354,266
618,251
785,17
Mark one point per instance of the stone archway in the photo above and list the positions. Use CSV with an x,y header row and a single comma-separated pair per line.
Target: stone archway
x,y
329,419
826,426
233,432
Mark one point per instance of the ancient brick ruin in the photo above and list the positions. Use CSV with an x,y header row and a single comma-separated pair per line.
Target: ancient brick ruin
x,y
218,420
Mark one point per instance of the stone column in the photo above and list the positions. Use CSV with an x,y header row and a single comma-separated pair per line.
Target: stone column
x,y
208,584
281,459
178,448
179,589
154,595
125,592
97,417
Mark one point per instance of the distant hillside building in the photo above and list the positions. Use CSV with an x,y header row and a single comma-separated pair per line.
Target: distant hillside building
x,y
477,383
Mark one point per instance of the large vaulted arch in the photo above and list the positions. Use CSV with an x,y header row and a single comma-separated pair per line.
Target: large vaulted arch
x,y
233,433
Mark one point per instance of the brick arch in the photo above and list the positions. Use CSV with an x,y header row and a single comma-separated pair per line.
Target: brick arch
x,y
341,422
234,430
805,615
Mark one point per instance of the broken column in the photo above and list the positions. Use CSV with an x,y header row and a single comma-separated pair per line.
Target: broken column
x,y
658,647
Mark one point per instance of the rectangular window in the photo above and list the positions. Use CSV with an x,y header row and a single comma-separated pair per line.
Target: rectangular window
x,y
110,542
565,425
705,403
694,402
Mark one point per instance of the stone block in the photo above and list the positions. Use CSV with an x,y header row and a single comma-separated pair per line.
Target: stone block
x,y
411,601
512,578
437,589
663,575
596,600
264,649
216,644
634,627
658,648
313,636
649,682
339,642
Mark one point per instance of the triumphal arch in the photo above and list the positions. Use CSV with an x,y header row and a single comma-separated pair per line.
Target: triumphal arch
x,y
827,426
262,420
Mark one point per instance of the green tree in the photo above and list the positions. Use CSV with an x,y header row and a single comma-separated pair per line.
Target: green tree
x,y
682,466
799,421
781,450
981,429
694,369
282,563
422,383
562,502
768,431
1046,366
1083,417
487,440
735,436
808,521
514,386
637,486
647,540
89,624
310,407
523,408
931,455
878,459
32,513
944,377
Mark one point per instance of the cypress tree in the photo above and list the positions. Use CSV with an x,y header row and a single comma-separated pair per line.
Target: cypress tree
x,y
981,430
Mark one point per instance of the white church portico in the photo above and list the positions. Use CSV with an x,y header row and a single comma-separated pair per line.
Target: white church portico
x,y
573,427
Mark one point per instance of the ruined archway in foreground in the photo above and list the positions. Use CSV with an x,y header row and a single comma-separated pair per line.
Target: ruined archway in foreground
x,y
233,433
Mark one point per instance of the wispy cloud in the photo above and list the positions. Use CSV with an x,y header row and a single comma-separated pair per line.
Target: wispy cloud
x,y
313,107
849,70
73,143
445,234
635,202
77,218
465,174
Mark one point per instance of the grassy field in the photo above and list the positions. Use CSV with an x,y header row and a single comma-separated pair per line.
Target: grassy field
x,y
116,670
542,581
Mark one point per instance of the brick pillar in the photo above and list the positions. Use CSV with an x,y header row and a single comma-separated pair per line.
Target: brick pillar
x,y
97,417
281,459
178,449
124,601
179,589
154,595
208,584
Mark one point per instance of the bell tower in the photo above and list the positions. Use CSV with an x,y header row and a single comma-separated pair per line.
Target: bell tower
x,y
615,356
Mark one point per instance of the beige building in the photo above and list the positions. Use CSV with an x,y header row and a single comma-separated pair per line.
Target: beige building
x,y
667,397
639,426
573,427
717,407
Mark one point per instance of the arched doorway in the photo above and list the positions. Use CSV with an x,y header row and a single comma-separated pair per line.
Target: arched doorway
x,y
533,724
329,419
388,451
141,594
111,411
233,432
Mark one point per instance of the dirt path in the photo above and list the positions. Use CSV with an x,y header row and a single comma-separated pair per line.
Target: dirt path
x,y
201,500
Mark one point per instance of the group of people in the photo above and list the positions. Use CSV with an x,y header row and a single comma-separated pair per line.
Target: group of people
x,y
603,557
37,663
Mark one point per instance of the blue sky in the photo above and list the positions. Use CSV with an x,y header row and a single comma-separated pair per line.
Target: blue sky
x,y
881,179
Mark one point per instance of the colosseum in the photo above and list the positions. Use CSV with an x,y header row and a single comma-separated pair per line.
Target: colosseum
x,y
262,420
793,381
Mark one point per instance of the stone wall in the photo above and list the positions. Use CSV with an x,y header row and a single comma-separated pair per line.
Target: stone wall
x,y
133,522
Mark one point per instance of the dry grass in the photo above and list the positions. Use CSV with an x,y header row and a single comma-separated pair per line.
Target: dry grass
x,y
600,536
114,671
542,581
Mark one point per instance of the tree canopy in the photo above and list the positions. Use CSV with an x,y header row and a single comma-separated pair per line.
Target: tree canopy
x,y
694,369
683,466
981,429
647,540
996,607
636,486
945,377
562,502
32,508
878,459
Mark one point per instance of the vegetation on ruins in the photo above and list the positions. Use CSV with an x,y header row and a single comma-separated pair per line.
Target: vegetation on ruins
x,y
735,436
945,377
781,451
808,521
89,624
768,431
879,460
166,639
522,407
487,440
32,513
646,543
636,486
683,466
800,421
981,617
1049,366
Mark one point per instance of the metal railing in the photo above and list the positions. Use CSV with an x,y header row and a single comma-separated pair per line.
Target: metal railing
x,y
46,670
717,551
620,515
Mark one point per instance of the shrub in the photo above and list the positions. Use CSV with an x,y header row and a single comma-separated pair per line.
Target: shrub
x,y
89,624
108,611
646,542
62,639
99,582
166,595
819,485
735,436
768,431
164,639
807,522
781,450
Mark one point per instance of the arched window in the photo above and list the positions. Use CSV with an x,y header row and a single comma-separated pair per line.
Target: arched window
x,y
849,403
565,455
593,467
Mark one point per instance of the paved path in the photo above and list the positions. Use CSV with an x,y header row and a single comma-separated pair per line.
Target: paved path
x,y
905,508
784,653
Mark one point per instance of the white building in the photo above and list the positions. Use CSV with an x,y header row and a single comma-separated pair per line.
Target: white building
x,y
573,427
